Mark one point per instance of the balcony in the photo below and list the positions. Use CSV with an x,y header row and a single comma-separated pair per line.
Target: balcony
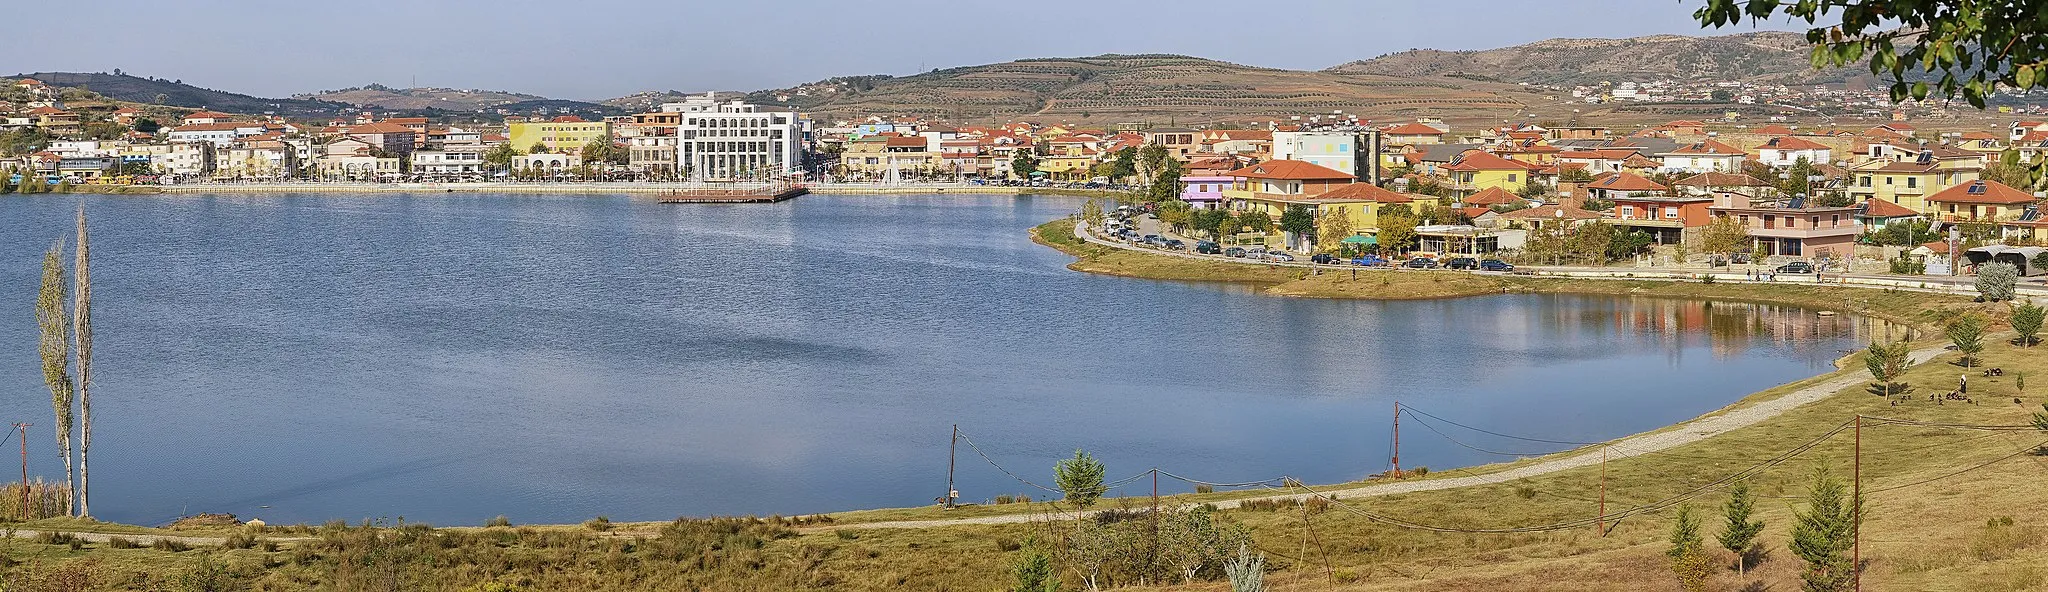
x,y
1646,222
1807,232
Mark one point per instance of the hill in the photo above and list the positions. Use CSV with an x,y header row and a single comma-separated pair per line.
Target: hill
x,y
176,93
1150,87
1765,56
420,99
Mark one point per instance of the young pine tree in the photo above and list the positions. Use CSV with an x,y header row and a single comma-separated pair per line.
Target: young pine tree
x,y
1688,553
1968,336
1080,478
1823,535
1741,533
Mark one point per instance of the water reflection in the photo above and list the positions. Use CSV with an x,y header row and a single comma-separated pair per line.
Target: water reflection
x,y
454,357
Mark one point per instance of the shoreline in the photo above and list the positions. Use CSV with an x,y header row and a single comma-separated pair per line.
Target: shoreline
x,y
602,188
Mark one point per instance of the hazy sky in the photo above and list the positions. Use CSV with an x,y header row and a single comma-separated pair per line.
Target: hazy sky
x,y
594,49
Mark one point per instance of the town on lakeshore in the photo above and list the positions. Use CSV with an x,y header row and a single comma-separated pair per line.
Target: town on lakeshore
x,y
1681,309
1824,195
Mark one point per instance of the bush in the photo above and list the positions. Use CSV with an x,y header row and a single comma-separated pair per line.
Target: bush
x,y
1007,544
122,543
1904,265
1205,489
51,537
499,522
1996,279
169,545
239,540
599,524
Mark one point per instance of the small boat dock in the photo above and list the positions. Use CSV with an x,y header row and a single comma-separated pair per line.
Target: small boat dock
x,y
768,194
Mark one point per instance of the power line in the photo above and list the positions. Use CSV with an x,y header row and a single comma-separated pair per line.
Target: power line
x,y
1438,432
1410,408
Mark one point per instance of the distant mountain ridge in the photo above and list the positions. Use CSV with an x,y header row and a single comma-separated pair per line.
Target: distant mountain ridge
x,y
415,99
172,93
1763,56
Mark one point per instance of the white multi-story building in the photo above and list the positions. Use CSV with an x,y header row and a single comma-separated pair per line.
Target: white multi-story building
x,y
449,161
735,139
1354,151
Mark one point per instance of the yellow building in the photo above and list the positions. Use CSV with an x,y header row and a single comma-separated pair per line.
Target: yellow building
x,y
1360,202
1069,163
565,134
1478,170
880,157
1909,183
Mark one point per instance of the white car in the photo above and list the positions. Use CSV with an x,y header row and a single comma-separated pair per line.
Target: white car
x,y
1279,256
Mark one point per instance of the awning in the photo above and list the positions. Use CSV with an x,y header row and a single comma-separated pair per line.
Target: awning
x,y
1360,239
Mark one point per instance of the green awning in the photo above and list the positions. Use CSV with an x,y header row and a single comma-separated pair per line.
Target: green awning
x,y
1360,239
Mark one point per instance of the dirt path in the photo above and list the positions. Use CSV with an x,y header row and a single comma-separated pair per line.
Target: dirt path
x,y
142,539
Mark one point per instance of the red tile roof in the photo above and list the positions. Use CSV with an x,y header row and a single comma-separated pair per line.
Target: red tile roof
x,y
567,119
46,111
898,141
1714,179
1493,196
218,126
1412,129
1365,191
1706,147
1774,130
1628,182
1479,160
1791,143
1982,192
381,127
208,115
1289,170
1552,212
1878,208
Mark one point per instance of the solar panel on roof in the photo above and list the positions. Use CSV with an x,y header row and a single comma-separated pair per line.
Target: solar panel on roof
x,y
1797,203
1925,158
1976,189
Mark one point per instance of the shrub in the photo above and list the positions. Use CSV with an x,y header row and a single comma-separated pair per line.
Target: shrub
x,y
122,543
2026,320
169,545
846,534
599,524
51,537
2002,537
239,540
1525,492
499,522
1005,500
1205,489
1007,544
1996,279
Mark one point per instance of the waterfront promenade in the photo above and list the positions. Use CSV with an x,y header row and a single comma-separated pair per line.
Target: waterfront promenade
x,y
609,187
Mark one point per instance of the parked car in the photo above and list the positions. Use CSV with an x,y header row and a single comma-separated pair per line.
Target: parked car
x,y
1279,256
1796,267
1370,261
1495,265
1739,258
1255,250
1175,244
1234,252
1154,239
1420,263
1322,258
1461,263
1208,247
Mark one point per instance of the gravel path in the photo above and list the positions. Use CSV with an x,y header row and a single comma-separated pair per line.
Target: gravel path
x,y
1708,426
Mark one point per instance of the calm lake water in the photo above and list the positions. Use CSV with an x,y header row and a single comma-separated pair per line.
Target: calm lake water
x,y
452,357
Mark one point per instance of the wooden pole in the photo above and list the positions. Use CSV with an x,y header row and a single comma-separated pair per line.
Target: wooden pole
x,y
23,428
952,453
1397,439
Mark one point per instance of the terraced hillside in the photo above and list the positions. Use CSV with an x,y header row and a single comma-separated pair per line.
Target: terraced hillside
x,y
1152,87
416,99
1765,56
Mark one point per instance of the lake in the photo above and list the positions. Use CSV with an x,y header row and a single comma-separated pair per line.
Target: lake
x,y
447,358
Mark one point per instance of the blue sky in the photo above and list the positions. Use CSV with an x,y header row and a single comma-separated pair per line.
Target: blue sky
x,y
593,49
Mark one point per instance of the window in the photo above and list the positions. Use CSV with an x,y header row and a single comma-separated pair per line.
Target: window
x,y
1670,213
1888,181
1912,182
1511,177
1628,212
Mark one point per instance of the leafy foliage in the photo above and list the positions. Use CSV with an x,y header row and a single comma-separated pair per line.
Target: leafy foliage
x,y
2026,320
1033,571
1725,234
1247,573
1298,220
1332,228
1080,478
1996,280
1886,363
55,324
1967,333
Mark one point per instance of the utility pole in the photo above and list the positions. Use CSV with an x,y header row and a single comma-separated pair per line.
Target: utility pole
x,y
23,429
1397,439
1856,505
952,452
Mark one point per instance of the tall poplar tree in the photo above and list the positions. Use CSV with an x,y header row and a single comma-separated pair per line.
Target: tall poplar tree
x,y
81,330
56,352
